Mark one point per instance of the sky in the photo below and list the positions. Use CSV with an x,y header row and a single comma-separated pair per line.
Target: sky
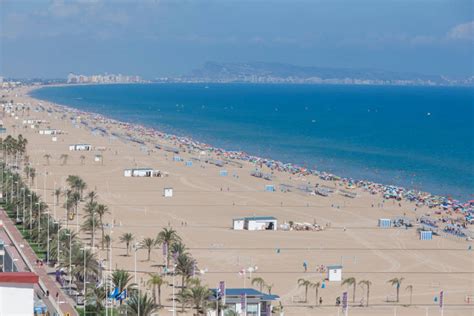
x,y
155,38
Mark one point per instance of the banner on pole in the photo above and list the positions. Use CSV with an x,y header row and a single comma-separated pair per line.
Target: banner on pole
x,y
344,300
441,298
222,291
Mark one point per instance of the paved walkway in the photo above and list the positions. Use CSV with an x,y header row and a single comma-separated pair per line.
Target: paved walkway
x,y
29,257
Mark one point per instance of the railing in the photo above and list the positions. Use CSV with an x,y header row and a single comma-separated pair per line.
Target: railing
x,y
23,256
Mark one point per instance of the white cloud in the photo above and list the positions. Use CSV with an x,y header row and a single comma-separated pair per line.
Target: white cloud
x,y
462,31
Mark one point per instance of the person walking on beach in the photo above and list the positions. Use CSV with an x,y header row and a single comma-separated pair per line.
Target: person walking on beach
x,y
305,266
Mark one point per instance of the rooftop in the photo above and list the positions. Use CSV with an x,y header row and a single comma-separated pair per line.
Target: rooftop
x,y
18,277
249,292
256,218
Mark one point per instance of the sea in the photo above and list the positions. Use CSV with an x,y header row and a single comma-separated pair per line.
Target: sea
x,y
417,137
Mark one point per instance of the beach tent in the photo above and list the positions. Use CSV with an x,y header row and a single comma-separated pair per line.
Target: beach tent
x,y
269,188
54,139
168,192
189,163
385,222
177,158
334,273
426,235
223,173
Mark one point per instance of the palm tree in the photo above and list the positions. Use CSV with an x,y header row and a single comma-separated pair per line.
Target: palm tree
x,y
316,286
167,237
96,296
198,296
397,282
185,266
127,238
140,305
121,279
260,282
367,284
306,284
57,193
101,210
92,195
148,243
156,281
83,158
351,281
178,248
269,288
47,157
410,288
64,158
107,240
90,225
32,175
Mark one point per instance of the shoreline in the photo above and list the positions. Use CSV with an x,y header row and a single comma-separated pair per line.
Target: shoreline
x,y
347,234
393,191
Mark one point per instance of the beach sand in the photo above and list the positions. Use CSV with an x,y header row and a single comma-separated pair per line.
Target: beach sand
x,y
207,202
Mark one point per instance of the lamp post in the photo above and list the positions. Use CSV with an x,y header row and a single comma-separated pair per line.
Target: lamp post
x,y
135,247
47,241
84,288
23,212
70,237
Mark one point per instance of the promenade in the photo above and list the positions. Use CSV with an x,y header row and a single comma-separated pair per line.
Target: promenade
x,y
20,249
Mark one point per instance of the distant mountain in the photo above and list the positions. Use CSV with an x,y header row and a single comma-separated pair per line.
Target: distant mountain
x,y
264,72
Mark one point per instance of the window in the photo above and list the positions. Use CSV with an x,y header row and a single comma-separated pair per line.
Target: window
x,y
252,309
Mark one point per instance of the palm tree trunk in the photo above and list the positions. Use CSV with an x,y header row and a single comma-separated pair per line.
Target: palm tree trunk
x,y
182,290
368,293
149,250
354,293
398,293
154,294
306,294
317,296
159,295
103,234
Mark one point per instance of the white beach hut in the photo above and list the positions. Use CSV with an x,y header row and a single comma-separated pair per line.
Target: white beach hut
x,y
334,273
255,223
168,192
138,172
238,223
80,147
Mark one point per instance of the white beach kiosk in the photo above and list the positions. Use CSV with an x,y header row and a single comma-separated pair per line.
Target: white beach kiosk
x,y
168,192
255,223
139,172
334,273
80,147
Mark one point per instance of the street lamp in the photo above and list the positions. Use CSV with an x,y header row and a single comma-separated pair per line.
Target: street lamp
x,y
135,248
84,290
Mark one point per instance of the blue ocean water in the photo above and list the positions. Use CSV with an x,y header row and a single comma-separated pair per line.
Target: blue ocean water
x,y
417,137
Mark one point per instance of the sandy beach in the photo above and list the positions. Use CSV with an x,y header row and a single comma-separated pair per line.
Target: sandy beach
x,y
204,203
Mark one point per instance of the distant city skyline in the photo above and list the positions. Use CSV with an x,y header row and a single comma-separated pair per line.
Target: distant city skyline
x,y
150,38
